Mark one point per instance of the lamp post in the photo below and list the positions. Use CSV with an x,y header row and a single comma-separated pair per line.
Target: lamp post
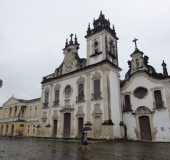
x,y
1,83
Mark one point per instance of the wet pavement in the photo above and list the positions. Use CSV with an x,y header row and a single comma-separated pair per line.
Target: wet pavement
x,y
44,149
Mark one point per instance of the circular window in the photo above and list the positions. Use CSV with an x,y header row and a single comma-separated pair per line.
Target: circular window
x,y
68,91
140,92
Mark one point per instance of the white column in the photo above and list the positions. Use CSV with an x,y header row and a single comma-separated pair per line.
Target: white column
x,y
105,95
50,95
88,98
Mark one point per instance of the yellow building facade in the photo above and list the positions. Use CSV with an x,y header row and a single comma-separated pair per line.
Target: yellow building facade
x,y
20,117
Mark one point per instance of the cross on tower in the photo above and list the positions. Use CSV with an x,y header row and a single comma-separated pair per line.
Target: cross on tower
x,y
135,41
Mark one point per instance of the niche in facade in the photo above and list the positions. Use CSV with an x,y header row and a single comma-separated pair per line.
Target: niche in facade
x,y
68,91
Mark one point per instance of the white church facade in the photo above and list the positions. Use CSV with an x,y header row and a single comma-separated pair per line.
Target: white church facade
x,y
146,100
88,92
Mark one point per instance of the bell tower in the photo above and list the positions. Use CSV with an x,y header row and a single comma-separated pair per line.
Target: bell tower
x,y
101,42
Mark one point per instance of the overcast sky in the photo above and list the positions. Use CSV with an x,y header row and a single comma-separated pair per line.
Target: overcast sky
x,y
33,33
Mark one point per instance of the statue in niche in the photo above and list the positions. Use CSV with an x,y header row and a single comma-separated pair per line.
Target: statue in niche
x,y
81,92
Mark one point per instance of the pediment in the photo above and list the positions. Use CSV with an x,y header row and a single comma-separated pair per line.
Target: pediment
x,y
70,63
10,101
141,79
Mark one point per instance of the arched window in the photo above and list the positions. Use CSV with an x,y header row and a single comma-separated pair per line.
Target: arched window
x,y
96,83
46,97
68,91
112,48
80,89
10,112
96,47
158,99
80,97
127,104
56,96
15,111
96,86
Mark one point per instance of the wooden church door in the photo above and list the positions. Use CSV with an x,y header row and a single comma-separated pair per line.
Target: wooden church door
x,y
80,125
145,129
67,124
55,128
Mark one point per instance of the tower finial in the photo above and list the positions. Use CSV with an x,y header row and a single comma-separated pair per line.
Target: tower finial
x,y
71,38
88,29
66,44
129,64
89,26
101,13
113,28
165,72
135,41
75,39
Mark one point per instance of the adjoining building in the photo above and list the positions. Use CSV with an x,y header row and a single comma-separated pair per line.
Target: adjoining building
x,y
20,117
146,100
88,92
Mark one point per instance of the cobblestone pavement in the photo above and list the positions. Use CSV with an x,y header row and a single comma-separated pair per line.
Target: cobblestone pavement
x,y
44,149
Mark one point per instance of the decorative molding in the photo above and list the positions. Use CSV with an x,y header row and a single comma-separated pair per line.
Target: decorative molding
x,y
88,123
95,54
142,110
55,115
80,112
57,86
96,98
96,75
81,80
156,88
108,122
126,83
47,80
67,109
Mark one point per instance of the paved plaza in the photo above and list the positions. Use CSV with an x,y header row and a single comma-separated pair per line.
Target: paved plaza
x,y
50,149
